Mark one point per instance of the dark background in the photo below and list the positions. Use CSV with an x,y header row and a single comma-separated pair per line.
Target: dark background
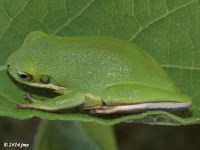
x,y
129,136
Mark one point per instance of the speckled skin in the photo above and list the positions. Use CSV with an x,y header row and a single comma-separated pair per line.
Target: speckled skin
x,y
111,70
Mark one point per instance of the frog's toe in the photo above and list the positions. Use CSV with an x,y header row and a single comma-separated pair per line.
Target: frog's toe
x,y
105,110
29,97
23,106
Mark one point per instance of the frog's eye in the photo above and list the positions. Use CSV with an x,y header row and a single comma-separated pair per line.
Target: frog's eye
x,y
25,76
44,79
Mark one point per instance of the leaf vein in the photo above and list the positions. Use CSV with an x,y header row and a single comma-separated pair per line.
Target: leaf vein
x,y
14,19
180,67
159,18
2,68
76,16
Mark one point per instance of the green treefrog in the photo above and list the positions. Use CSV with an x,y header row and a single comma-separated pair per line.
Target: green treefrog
x,y
97,74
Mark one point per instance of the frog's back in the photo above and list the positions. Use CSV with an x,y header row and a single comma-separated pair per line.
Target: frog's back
x,y
93,62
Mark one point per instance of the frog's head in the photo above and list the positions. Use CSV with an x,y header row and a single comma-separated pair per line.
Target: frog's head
x,y
22,70
25,67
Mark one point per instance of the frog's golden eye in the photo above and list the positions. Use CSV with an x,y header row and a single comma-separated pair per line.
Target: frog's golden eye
x,y
44,79
25,76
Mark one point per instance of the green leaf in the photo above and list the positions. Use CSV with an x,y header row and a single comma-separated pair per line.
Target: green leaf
x,y
168,30
74,135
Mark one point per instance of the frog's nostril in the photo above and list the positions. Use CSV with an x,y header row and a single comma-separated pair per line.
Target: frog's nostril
x,y
8,66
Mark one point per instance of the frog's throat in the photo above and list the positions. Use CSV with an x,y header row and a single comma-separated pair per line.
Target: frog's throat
x,y
48,86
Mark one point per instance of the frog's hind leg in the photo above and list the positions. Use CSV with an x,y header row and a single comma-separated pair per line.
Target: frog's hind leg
x,y
137,108
135,98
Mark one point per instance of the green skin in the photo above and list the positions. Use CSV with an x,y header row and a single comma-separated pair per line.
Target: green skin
x,y
101,74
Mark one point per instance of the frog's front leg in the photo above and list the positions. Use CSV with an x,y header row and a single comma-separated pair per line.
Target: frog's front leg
x,y
66,101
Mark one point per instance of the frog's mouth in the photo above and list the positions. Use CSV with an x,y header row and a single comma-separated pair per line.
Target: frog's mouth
x,y
14,74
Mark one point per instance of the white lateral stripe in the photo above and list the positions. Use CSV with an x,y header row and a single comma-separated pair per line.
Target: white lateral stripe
x,y
143,107
48,86
163,105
